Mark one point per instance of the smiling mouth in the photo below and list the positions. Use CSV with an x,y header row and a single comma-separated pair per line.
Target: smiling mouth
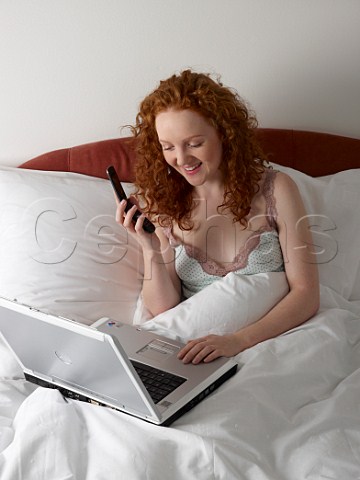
x,y
193,168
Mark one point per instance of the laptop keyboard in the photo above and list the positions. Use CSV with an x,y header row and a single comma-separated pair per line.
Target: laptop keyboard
x,y
157,382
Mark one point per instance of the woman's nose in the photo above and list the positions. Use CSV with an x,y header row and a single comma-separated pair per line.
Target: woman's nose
x,y
181,156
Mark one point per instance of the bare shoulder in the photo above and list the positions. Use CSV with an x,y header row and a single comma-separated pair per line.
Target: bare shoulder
x,y
286,191
284,183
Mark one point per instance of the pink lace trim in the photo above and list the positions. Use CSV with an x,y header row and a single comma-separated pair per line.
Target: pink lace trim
x,y
268,192
240,261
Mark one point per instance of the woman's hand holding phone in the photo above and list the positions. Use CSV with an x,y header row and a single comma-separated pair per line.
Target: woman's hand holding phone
x,y
128,218
128,208
150,243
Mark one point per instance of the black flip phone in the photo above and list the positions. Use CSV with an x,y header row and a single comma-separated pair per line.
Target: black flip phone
x,y
120,193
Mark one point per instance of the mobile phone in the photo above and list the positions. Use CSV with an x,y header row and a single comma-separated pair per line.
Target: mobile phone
x,y
120,193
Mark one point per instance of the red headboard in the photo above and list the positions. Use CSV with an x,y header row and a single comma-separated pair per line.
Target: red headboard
x,y
310,152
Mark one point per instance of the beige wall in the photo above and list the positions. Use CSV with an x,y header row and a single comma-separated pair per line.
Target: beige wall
x,y
73,71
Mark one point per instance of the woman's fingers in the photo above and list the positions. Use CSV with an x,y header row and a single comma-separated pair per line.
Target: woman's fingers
x,y
196,351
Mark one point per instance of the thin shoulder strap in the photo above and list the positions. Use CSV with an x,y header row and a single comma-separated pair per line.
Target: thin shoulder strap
x,y
268,192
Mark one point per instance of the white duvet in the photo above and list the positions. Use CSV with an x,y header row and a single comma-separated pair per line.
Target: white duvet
x,y
291,412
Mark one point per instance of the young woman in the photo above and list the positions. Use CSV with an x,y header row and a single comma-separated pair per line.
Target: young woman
x,y
203,179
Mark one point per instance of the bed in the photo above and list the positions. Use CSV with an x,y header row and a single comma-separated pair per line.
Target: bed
x,y
292,410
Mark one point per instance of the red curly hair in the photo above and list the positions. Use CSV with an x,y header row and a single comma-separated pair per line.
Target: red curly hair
x,y
170,197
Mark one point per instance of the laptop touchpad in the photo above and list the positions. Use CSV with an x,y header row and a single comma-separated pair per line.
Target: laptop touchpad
x,y
158,350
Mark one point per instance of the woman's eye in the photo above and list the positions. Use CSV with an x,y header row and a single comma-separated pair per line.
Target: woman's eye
x,y
167,148
195,145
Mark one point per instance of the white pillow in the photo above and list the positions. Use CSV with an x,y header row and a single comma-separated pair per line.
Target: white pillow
x,y
332,203
61,249
225,306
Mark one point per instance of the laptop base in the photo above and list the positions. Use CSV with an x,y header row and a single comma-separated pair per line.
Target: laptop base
x,y
188,406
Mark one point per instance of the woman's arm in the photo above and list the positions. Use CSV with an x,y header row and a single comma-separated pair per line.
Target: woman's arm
x,y
302,301
161,286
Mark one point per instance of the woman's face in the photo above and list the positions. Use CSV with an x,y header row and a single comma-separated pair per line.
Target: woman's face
x,y
190,145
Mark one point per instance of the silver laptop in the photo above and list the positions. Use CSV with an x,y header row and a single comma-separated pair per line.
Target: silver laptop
x,y
110,364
